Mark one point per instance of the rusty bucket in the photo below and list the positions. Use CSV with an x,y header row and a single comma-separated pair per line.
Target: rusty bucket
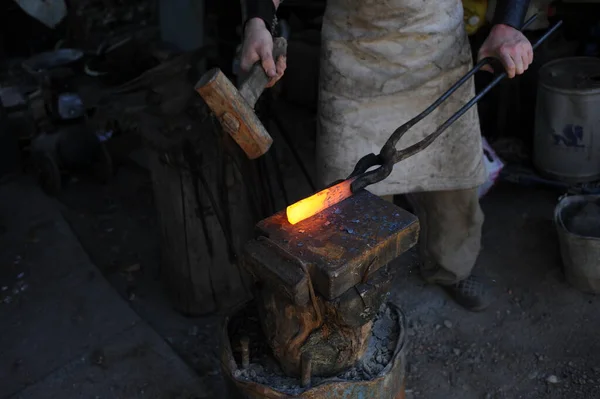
x,y
389,383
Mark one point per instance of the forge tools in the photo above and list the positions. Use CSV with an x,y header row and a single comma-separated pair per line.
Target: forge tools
x,y
320,286
364,175
65,140
235,108
322,270
323,282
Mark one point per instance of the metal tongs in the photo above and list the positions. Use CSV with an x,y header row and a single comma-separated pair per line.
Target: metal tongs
x,y
389,155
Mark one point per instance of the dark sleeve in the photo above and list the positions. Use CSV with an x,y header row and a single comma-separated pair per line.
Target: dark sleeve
x,y
263,9
511,12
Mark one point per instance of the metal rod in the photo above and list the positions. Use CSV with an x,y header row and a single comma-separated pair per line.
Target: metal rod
x,y
266,184
245,344
279,175
389,155
390,145
195,163
293,150
421,145
306,361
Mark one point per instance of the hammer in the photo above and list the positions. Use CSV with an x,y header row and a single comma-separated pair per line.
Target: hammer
x,y
235,108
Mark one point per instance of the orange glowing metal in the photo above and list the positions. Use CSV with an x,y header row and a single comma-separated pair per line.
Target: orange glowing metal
x,y
318,202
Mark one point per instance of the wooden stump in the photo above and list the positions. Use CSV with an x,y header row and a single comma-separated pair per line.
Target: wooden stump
x,y
333,333
206,204
320,331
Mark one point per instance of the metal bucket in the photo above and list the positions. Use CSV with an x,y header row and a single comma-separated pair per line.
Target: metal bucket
x,y
388,384
580,253
567,121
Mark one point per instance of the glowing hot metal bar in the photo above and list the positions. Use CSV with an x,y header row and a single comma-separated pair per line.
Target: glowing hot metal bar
x,y
318,202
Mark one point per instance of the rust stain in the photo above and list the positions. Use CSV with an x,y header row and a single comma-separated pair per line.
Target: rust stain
x,y
308,324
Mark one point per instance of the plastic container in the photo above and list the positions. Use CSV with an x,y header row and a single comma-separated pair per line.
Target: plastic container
x,y
493,167
474,14
579,249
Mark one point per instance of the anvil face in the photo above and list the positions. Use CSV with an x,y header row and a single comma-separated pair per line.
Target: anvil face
x,y
340,247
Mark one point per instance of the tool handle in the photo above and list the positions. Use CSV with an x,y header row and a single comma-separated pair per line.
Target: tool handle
x,y
389,149
236,116
256,81
235,107
390,156
421,145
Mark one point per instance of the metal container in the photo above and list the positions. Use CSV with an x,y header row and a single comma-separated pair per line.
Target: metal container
x,y
388,384
567,120
580,253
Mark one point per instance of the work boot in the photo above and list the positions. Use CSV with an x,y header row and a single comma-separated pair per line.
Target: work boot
x,y
471,293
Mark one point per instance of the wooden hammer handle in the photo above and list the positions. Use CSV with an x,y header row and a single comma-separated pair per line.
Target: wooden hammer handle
x,y
256,81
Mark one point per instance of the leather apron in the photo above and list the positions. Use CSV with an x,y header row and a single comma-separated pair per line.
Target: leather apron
x,y
382,63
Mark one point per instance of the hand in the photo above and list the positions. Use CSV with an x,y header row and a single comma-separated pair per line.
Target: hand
x,y
510,46
258,46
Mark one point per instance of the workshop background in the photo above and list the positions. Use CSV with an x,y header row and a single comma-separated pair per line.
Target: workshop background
x,y
125,209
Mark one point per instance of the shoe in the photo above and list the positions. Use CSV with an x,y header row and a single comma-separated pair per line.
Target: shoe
x,y
471,293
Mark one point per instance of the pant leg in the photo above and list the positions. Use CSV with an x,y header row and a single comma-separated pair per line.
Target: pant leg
x,y
450,237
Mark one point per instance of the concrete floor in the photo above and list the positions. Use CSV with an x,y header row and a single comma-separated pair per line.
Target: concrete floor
x,y
65,332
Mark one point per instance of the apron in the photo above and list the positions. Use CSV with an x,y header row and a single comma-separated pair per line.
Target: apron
x,y
382,63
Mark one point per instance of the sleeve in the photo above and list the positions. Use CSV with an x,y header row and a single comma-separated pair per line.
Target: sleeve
x,y
263,9
511,12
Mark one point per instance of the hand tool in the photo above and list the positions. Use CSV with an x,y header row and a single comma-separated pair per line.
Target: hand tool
x,y
384,162
235,107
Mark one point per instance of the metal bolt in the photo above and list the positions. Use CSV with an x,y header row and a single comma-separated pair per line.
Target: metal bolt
x,y
306,360
245,343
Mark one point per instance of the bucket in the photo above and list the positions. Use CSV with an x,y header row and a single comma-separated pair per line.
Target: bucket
x,y
388,383
577,220
567,123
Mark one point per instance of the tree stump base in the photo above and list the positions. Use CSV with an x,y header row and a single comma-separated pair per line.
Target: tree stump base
x,y
334,333
206,212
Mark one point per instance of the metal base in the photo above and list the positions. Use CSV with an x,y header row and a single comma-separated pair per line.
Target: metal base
x,y
389,384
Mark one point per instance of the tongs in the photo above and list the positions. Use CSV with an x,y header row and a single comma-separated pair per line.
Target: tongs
x,y
389,156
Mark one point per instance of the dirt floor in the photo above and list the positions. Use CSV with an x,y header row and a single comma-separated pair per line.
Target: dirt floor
x,y
538,340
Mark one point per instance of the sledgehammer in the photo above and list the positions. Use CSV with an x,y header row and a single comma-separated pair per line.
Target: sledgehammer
x,y
235,108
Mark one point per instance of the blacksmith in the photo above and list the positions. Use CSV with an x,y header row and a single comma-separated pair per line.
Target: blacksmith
x,y
382,63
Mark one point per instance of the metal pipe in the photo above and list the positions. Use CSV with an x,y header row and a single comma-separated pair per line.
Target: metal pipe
x,y
245,343
306,369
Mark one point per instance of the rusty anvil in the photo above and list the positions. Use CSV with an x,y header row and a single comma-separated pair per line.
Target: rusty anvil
x,y
321,282
235,108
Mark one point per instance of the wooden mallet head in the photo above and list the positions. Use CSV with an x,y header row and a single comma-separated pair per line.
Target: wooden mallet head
x,y
235,108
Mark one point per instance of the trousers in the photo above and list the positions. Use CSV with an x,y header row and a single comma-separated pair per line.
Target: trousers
x,y
450,236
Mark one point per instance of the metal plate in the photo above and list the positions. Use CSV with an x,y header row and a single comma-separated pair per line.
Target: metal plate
x,y
346,243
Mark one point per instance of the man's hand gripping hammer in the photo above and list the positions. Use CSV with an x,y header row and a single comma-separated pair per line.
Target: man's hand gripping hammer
x,y
235,108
